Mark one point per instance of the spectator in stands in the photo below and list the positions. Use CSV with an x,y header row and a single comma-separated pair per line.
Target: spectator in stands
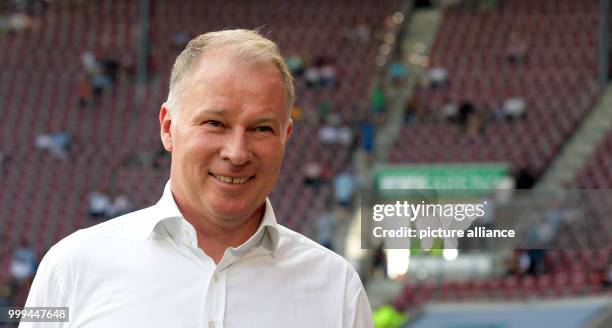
x,y
397,73
322,74
466,111
85,92
514,108
377,100
344,187
544,231
366,136
344,135
327,134
387,316
380,261
410,109
296,65
99,205
23,262
121,205
313,174
89,62
100,80
467,116
327,74
519,264
524,178
537,259
474,126
18,22
450,112
57,144
324,226
110,67
332,133
437,77
102,73
312,77
213,233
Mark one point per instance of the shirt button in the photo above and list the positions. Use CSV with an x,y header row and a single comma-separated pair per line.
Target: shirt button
x,y
216,277
211,324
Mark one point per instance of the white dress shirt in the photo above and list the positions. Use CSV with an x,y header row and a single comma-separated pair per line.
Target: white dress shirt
x,y
145,269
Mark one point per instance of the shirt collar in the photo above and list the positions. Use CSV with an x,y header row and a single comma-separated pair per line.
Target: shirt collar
x,y
167,217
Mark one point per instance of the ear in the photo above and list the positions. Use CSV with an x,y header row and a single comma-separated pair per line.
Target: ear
x,y
289,130
165,123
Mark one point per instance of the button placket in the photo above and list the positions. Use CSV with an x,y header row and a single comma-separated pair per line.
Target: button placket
x,y
216,298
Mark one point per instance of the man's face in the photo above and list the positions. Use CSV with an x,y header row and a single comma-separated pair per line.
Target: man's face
x,y
227,138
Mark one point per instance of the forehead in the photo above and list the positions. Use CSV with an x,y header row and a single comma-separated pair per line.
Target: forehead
x,y
220,79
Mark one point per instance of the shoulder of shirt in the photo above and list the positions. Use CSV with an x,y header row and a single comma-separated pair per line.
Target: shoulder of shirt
x,y
302,243
127,224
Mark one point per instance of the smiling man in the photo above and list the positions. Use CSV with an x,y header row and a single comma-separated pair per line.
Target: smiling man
x,y
210,253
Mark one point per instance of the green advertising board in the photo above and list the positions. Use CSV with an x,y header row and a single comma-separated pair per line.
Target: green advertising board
x,y
469,176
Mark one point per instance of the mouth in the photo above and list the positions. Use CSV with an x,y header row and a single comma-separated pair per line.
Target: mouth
x,y
232,180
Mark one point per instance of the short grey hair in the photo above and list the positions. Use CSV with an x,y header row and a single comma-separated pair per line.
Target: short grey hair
x,y
248,45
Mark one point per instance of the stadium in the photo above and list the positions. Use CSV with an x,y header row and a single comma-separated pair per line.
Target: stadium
x,y
499,105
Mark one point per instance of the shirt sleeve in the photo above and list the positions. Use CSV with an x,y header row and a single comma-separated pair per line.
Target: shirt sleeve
x,y
358,313
48,290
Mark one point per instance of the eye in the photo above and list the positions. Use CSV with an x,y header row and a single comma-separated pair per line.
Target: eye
x,y
264,128
213,123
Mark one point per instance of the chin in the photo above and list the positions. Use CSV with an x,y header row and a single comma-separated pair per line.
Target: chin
x,y
231,210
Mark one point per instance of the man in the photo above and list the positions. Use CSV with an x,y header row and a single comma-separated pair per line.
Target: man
x,y
209,253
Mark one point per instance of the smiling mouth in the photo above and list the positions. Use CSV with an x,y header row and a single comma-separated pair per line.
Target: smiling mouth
x,y
232,180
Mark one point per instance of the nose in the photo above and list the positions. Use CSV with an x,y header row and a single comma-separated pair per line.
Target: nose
x,y
236,148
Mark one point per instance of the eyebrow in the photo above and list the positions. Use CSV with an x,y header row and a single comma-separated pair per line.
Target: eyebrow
x,y
223,112
215,111
265,120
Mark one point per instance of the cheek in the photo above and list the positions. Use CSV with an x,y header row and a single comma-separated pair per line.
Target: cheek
x,y
272,156
200,148
193,156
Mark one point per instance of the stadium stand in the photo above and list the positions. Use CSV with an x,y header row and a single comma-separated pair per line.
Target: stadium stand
x,y
557,80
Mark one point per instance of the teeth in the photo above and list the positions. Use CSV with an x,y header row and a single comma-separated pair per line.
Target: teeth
x,y
230,179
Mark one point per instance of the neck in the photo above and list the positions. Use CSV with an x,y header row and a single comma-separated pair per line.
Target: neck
x,y
215,235
214,239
